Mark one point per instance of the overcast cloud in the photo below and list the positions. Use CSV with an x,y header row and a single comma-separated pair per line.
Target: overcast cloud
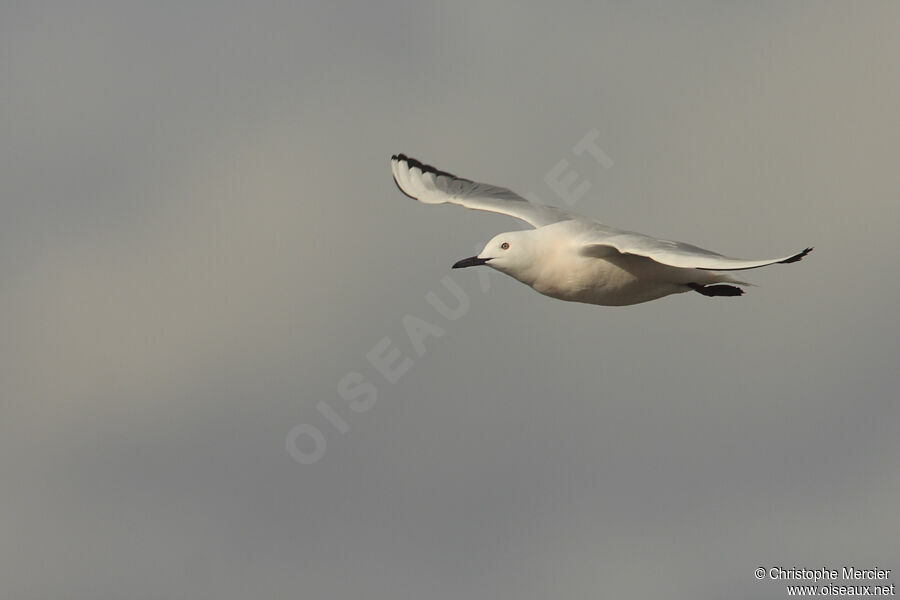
x,y
200,237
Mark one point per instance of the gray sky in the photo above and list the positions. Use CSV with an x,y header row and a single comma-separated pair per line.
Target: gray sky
x,y
199,238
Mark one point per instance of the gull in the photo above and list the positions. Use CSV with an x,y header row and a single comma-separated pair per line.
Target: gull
x,y
575,258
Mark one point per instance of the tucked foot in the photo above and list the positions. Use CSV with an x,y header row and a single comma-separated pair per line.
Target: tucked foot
x,y
716,290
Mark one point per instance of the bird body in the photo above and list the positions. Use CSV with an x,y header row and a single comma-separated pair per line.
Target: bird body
x,y
552,260
575,258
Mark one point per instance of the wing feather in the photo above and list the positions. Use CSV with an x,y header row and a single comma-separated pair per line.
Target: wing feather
x,y
429,185
671,253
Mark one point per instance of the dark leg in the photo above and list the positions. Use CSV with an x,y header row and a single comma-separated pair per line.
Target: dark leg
x,y
716,290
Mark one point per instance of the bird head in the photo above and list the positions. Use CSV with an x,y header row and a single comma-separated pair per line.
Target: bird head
x,y
510,253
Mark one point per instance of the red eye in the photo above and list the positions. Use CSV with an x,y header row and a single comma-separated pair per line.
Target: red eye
x,y
504,246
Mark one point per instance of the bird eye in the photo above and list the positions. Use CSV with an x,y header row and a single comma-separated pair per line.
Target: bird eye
x,y
504,246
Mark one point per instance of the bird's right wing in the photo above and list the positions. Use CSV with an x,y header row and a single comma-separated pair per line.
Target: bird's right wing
x,y
604,240
430,186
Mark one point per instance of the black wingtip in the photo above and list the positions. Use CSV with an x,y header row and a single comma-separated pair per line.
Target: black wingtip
x,y
412,162
797,257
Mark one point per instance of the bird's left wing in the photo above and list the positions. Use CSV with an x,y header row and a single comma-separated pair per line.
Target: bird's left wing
x,y
431,186
603,241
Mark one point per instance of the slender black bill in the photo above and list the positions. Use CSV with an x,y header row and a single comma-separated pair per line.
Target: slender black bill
x,y
472,261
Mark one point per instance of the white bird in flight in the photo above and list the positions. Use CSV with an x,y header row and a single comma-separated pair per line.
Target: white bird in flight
x,y
575,258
